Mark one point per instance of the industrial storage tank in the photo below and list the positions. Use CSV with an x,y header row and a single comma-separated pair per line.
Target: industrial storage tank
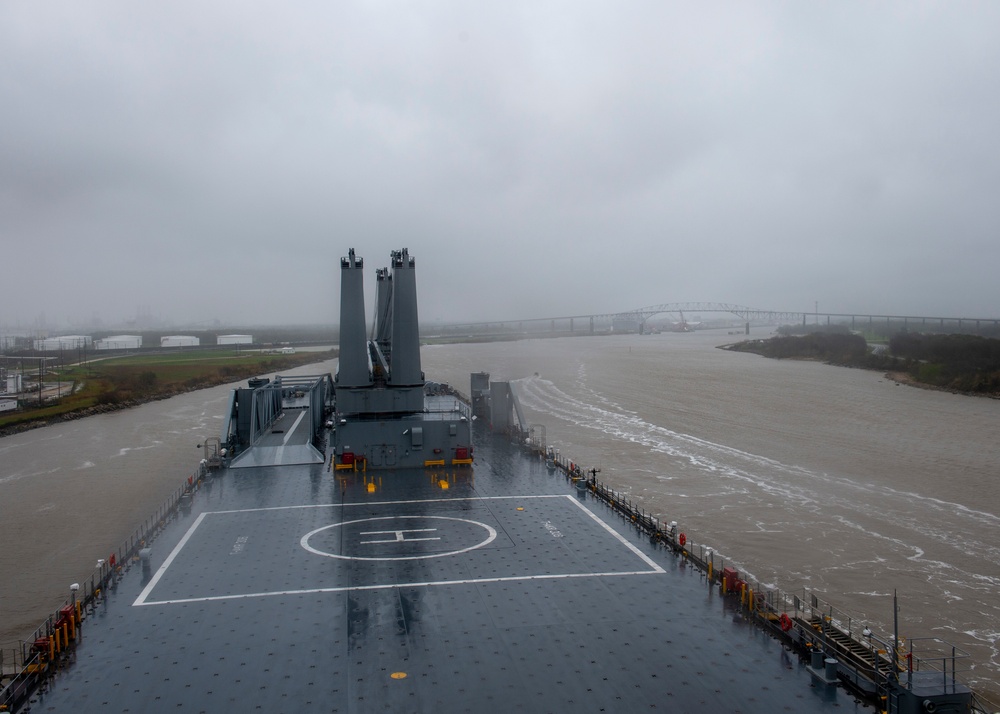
x,y
63,342
234,340
119,342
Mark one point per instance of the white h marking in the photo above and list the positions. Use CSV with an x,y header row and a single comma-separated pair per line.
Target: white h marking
x,y
400,538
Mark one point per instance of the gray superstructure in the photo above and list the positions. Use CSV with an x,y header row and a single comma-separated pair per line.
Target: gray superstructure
x,y
383,418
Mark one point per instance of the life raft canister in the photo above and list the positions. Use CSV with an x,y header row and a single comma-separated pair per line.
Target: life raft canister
x,y
786,622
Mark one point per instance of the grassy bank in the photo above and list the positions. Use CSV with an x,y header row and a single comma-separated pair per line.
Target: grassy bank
x,y
120,382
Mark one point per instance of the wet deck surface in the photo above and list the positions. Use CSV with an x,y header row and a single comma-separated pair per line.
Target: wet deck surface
x,y
293,589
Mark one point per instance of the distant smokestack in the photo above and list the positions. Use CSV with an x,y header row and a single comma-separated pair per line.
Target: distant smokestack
x,y
354,369
405,361
383,307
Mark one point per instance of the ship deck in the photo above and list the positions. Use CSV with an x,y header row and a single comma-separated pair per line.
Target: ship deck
x,y
499,587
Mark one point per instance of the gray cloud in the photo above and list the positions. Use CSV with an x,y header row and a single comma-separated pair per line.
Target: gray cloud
x,y
537,158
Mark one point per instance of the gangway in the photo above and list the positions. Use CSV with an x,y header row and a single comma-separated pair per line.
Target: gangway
x,y
278,422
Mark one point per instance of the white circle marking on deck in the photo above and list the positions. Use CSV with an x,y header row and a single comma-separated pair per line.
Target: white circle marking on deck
x,y
492,534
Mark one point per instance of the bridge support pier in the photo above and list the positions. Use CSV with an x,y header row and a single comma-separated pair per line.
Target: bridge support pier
x,y
591,325
748,327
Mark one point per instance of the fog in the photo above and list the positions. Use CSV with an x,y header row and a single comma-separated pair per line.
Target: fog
x,y
199,162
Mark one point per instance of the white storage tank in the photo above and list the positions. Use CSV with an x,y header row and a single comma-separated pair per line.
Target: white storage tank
x,y
234,340
12,383
119,342
63,342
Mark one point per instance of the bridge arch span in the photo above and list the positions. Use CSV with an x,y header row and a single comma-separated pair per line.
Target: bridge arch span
x,y
643,314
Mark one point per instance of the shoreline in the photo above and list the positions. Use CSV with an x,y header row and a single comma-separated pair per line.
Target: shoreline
x,y
174,391
899,377
96,410
902,378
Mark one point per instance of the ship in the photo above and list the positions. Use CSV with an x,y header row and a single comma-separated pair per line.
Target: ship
x,y
373,541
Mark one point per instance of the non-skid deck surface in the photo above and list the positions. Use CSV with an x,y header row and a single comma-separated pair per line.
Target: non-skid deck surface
x,y
299,590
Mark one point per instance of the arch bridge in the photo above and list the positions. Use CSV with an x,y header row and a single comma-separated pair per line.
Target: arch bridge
x,y
641,315
635,320
627,321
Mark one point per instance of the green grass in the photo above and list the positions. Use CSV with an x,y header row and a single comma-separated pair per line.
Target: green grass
x,y
193,356
85,398
140,378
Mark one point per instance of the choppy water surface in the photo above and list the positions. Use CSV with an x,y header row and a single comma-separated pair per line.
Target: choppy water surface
x,y
801,473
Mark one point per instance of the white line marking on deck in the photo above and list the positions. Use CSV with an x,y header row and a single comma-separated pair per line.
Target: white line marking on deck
x,y
354,588
617,535
388,503
170,559
141,600
291,431
399,535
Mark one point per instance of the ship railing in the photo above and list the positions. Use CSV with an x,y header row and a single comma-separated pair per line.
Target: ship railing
x,y
984,705
865,656
767,601
444,405
52,641
22,681
801,618
932,654
940,657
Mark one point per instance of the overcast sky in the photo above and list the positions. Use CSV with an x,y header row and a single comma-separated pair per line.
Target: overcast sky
x,y
215,160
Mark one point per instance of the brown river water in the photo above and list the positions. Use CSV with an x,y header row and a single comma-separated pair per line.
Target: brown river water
x,y
799,473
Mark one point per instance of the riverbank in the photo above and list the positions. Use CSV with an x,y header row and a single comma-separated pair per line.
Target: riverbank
x,y
905,379
128,382
935,363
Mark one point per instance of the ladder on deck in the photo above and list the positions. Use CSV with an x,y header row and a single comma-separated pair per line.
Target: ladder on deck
x,y
848,650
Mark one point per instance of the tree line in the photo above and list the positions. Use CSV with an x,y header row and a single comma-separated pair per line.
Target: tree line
x,y
966,363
